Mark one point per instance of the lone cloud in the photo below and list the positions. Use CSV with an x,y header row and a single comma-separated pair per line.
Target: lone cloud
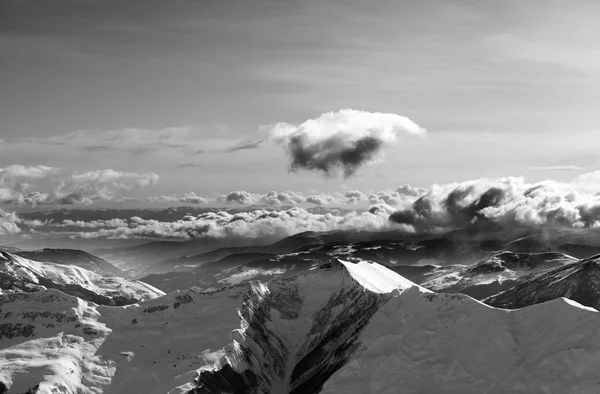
x,y
341,142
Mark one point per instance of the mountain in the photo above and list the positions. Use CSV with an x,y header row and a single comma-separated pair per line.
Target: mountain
x,y
358,328
74,257
18,274
579,281
388,248
9,249
232,269
151,257
498,272
338,327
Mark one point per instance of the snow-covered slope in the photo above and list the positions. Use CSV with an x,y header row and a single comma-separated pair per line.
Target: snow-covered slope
x,y
361,329
342,327
70,346
20,274
49,339
579,281
73,257
494,274
440,343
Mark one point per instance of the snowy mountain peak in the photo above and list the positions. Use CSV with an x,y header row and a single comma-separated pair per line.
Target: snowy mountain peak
x,y
296,332
376,278
357,328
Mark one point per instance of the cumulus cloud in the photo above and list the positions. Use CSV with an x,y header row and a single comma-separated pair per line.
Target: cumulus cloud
x,y
354,197
408,190
14,180
504,205
121,179
398,197
28,172
9,223
77,189
351,197
94,224
240,197
285,198
187,198
260,224
321,199
341,141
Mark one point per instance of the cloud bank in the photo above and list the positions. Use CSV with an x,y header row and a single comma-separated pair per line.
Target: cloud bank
x,y
17,171
259,224
187,198
340,142
76,189
501,206
43,185
505,204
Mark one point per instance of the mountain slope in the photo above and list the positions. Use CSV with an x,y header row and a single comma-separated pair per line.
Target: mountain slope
x,y
579,281
341,327
70,346
358,328
74,257
230,270
18,274
451,344
498,272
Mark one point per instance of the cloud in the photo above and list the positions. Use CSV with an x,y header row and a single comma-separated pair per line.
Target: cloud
x,y
408,190
354,197
94,224
506,204
16,171
188,198
285,198
399,196
257,224
189,164
245,145
123,180
240,197
556,168
85,188
341,141
9,222
381,208
169,141
77,189
13,185
129,138
321,199
590,179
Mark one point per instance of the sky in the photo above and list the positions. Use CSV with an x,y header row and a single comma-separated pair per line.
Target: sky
x,y
152,98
